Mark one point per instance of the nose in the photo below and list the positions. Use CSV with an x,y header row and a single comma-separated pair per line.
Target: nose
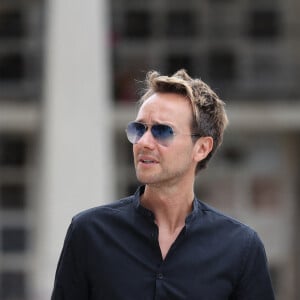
x,y
147,139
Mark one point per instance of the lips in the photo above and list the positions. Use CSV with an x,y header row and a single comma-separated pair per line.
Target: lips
x,y
147,160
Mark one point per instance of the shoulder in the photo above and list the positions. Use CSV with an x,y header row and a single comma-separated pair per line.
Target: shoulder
x,y
87,225
232,239
214,216
226,227
120,206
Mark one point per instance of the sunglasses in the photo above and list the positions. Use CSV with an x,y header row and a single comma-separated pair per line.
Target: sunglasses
x,y
162,133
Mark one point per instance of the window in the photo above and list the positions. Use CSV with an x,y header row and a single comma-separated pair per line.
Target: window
x,y
12,196
12,285
14,239
221,65
138,24
179,61
180,24
12,66
264,24
11,24
13,150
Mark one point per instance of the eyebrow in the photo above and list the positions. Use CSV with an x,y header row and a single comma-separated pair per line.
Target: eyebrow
x,y
155,123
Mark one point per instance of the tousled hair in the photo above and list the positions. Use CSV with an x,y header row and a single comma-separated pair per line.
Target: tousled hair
x,y
209,115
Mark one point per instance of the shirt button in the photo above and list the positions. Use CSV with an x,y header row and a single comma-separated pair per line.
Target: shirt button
x,y
159,276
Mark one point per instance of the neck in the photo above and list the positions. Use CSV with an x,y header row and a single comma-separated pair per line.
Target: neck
x,y
169,205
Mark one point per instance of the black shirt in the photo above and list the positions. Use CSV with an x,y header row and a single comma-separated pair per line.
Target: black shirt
x,y
112,253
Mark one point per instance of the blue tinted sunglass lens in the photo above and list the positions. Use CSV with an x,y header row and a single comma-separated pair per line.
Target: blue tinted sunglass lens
x,y
135,131
162,132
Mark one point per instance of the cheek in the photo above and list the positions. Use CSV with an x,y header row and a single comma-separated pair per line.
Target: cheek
x,y
185,153
134,151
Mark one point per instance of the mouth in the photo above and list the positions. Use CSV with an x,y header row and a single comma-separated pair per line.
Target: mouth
x,y
147,161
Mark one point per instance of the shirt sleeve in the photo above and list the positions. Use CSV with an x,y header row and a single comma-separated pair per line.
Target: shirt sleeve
x,y
255,282
70,280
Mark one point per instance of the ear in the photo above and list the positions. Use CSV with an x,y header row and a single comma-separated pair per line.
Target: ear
x,y
203,147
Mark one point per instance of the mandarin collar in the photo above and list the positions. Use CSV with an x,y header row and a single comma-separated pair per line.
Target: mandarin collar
x,y
146,212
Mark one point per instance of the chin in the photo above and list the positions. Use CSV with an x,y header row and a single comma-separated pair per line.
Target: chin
x,y
146,179
143,180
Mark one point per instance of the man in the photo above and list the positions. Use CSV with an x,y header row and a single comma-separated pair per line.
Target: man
x,y
162,242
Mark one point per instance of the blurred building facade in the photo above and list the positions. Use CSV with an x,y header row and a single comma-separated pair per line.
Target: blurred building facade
x,y
21,51
249,53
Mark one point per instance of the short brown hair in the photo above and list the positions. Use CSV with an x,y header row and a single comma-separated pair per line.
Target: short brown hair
x,y
209,115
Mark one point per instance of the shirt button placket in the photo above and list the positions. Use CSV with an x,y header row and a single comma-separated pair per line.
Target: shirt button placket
x,y
159,291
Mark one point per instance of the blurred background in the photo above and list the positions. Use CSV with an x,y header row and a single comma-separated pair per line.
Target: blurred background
x,y
70,73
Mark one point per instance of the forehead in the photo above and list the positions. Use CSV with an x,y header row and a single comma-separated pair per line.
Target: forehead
x,y
166,107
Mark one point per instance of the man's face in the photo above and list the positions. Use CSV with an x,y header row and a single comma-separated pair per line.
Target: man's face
x,y
158,163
